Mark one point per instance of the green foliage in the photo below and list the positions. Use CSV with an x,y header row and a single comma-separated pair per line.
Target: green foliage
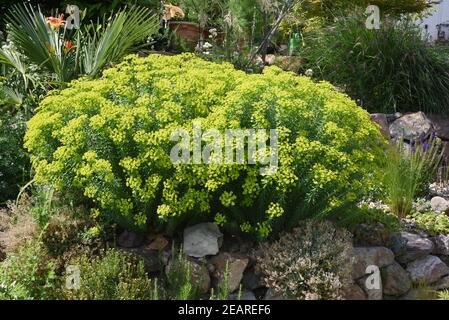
x,y
443,295
68,54
311,263
28,274
353,219
387,70
431,222
408,172
113,275
180,278
13,159
110,140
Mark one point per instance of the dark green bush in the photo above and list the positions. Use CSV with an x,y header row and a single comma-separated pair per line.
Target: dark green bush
x,y
13,158
387,70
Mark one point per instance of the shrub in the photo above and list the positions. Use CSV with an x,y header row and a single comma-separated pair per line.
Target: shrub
x,y
311,263
431,222
388,70
13,159
110,140
28,274
182,281
113,275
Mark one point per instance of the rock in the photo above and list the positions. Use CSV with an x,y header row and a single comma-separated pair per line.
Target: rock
x,y
382,121
130,239
412,295
395,280
159,243
441,125
154,261
409,246
354,292
251,280
271,294
370,256
427,270
441,245
442,284
439,204
199,275
411,126
371,294
246,296
270,59
202,240
371,235
236,267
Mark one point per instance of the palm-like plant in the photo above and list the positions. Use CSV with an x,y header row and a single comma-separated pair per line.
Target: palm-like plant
x,y
68,54
110,41
43,41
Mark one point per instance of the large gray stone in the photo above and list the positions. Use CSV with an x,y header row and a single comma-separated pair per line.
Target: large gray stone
x,y
441,245
364,257
427,270
236,265
409,246
396,281
439,204
411,127
202,240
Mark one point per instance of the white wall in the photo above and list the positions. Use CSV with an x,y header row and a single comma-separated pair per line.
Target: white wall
x,y
439,14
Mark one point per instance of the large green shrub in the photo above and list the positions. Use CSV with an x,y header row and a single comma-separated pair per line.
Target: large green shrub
x,y
388,70
110,140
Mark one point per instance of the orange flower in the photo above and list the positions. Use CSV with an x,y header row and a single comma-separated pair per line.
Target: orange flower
x,y
56,23
68,45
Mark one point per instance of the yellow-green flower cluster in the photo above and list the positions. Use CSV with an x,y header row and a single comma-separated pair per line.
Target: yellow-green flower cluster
x,y
109,139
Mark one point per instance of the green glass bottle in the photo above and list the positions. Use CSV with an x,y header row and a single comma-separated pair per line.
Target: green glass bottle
x,y
293,44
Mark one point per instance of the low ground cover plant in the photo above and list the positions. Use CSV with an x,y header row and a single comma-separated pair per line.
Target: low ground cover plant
x,y
302,265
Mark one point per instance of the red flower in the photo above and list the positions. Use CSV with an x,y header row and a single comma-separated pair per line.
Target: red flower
x,y
68,45
56,23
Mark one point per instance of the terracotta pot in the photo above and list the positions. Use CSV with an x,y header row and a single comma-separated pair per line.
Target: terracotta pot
x,y
188,31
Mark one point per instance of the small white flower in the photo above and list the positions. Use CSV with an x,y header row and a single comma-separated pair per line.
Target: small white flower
x,y
309,73
207,45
